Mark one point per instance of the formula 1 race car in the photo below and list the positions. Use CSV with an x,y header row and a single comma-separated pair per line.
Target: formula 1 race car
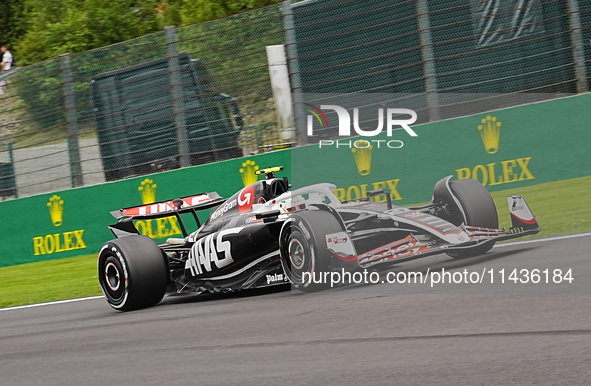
x,y
266,234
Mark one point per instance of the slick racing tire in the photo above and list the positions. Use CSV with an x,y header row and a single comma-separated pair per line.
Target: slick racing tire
x,y
303,251
480,211
132,273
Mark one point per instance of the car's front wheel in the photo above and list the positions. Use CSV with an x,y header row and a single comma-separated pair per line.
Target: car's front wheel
x,y
478,209
303,251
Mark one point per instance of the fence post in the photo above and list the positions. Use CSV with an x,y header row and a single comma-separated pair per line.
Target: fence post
x,y
577,41
428,60
279,75
70,105
11,158
178,105
299,117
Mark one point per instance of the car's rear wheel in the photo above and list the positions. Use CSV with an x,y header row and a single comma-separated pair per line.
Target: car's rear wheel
x,y
303,251
132,273
479,210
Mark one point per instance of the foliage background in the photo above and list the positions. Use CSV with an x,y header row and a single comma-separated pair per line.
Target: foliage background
x,y
36,30
106,36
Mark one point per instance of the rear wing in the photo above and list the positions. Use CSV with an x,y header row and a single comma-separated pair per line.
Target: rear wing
x,y
160,209
190,204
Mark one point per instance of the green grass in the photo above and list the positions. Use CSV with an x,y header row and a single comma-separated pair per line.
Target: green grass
x,y
562,207
49,280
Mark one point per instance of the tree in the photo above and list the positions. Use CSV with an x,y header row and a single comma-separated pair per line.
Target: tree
x,y
10,21
53,27
41,29
201,10
58,26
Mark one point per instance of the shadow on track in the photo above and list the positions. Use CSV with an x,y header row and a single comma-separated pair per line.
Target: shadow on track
x,y
463,263
438,266
206,297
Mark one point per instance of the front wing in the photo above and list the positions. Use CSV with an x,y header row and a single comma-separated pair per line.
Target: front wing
x,y
416,246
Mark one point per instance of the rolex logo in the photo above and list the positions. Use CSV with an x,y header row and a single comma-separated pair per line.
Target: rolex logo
x,y
56,210
363,158
490,131
148,191
247,172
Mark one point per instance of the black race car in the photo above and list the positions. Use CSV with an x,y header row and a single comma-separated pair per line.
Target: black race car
x,y
266,234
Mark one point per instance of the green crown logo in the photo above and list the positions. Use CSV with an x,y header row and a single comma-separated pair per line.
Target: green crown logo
x,y
56,210
247,172
148,191
490,131
363,158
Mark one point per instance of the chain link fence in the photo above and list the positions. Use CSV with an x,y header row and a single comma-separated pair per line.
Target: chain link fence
x,y
184,96
443,59
201,93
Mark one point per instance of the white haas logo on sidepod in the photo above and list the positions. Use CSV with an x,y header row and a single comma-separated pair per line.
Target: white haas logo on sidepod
x,y
205,252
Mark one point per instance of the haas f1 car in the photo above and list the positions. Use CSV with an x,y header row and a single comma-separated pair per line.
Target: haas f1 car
x,y
266,234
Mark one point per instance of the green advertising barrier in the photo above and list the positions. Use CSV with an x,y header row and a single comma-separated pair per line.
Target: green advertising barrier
x,y
74,222
504,149
519,146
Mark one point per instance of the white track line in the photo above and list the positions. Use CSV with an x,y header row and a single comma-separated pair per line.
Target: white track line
x,y
540,240
101,296
51,303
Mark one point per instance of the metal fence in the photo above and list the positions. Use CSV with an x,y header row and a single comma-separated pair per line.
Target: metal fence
x,y
184,96
441,58
201,93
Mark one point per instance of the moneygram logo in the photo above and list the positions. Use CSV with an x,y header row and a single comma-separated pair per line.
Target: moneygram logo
x,y
391,117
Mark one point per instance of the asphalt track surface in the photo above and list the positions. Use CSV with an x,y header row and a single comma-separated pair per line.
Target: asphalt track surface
x,y
407,334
